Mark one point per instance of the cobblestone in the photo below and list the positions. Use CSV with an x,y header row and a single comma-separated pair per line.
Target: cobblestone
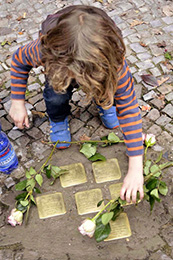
x,y
155,130
144,65
5,125
169,127
153,114
169,96
168,110
163,120
45,128
40,106
35,99
33,87
2,113
9,182
155,72
137,48
165,89
35,133
149,95
144,56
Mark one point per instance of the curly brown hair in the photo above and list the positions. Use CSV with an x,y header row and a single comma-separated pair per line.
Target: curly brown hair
x,y
87,46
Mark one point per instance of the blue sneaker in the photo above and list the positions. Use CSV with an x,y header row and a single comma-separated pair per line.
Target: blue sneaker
x,y
109,117
60,131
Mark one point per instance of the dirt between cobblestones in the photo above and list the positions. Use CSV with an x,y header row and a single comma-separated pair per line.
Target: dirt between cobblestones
x,y
57,238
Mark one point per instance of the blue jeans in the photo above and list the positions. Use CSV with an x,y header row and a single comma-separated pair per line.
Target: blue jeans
x,y
57,104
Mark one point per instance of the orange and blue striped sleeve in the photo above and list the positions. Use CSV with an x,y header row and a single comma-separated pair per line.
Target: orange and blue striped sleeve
x,y
128,112
23,60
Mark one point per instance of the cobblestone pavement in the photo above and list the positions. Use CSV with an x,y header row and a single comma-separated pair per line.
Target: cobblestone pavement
x,y
147,27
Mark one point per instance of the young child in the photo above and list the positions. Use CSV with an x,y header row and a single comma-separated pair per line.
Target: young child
x,y
82,45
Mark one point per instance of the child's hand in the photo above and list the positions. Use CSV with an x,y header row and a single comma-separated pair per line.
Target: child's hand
x,y
133,182
19,114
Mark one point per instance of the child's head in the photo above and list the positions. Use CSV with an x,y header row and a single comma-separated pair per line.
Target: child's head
x,y
87,46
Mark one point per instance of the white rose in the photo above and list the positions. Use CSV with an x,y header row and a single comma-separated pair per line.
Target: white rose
x,y
15,218
87,228
150,140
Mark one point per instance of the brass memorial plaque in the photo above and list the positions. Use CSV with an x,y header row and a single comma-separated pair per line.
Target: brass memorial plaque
x,y
106,170
50,205
115,190
86,201
75,176
120,228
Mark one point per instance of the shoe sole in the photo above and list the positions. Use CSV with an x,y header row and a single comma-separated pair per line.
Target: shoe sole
x,y
62,147
111,127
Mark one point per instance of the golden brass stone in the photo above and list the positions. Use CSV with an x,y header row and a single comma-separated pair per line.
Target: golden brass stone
x,y
120,228
108,170
115,190
75,175
50,205
86,201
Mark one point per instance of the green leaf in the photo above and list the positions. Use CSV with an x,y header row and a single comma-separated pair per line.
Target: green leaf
x,y
122,202
145,188
37,190
159,157
48,173
56,172
155,193
24,203
113,205
39,179
21,185
157,174
106,217
21,196
30,184
21,208
97,157
113,138
152,184
146,170
152,202
163,189
28,175
147,166
168,55
5,42
55,169
32,198
117,211
154,168
88,150
102,231
100,203
104,138
148,163
146,197
32,171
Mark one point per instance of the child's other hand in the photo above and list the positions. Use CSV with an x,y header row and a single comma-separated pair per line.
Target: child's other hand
x,y
19,114
133,182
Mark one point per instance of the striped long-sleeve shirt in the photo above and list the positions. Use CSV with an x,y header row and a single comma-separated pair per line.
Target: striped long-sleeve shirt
x,y
128,112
